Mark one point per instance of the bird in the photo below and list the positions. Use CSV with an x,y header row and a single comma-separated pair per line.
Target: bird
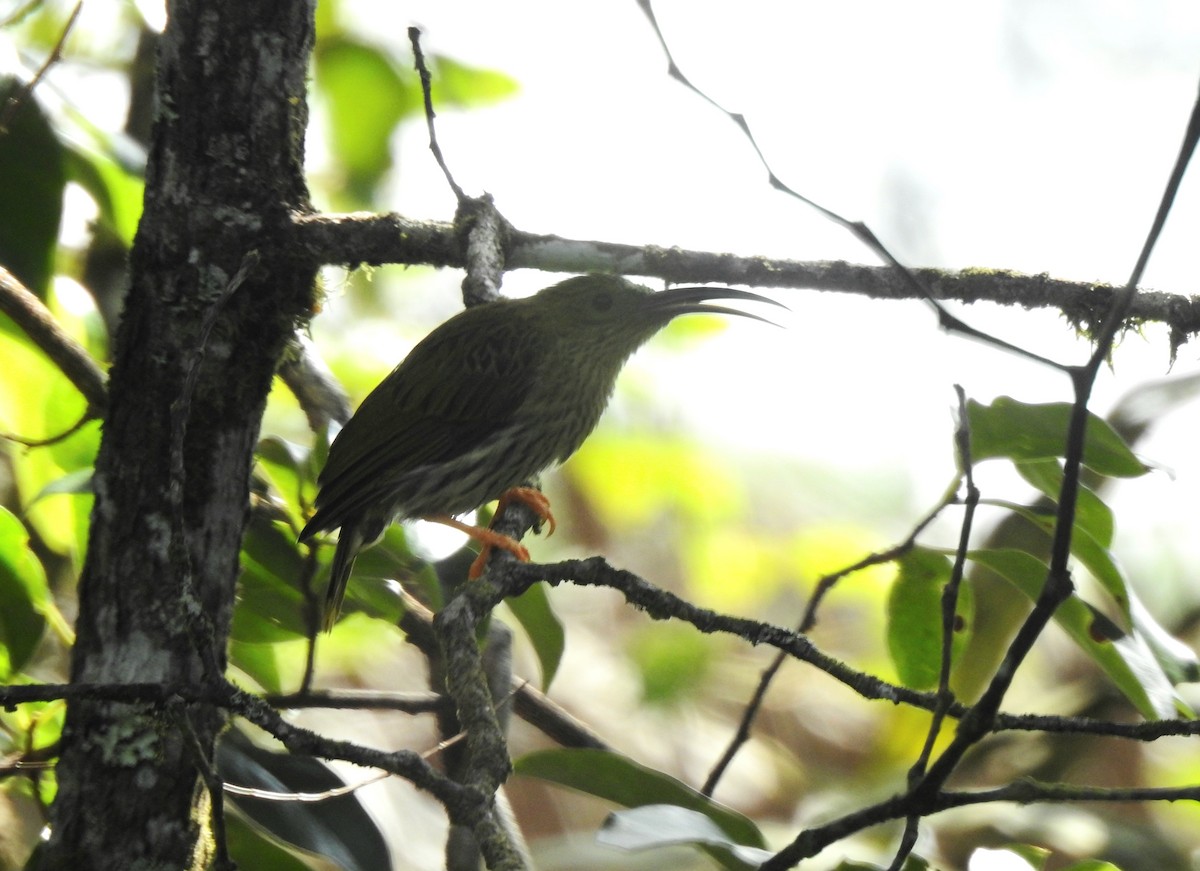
x,y
483,404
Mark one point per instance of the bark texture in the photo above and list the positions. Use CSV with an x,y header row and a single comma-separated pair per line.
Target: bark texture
x,y
211,304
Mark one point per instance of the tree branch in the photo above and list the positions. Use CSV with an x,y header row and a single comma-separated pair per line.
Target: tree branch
x,y
32,316
354,239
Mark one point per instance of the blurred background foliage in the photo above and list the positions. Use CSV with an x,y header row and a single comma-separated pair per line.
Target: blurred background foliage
x,y
745,530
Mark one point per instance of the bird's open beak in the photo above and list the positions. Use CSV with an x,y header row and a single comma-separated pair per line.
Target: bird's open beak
x,y
685,300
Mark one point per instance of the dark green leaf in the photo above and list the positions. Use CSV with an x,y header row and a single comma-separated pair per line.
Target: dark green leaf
x,y
259,662
285,466
367,95
1023,431
1128,663
23,596
914,617
251,846
378,571
1091,513
271,602
619,779
1086,549
456,84
280,452
273,545
32,175
338,828
533,611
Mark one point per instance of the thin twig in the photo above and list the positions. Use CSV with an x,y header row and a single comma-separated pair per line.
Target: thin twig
x,y
807,622
359,700
215,787
83,421
1027,791
1058,586
312,614
305,797
32,316
414,37
13,104
391,238
947,320
950,596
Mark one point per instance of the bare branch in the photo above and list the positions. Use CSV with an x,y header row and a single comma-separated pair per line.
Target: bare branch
x,y
13,104
807,622
414,38
32,316
353,239
319,393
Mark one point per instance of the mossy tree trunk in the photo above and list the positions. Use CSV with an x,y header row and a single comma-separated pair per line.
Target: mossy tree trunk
x,y
211,304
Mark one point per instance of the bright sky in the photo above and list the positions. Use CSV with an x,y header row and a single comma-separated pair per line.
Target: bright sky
x,y
1029,134
1025,134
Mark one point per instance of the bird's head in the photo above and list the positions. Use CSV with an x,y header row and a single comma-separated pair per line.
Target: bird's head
x,y
606,311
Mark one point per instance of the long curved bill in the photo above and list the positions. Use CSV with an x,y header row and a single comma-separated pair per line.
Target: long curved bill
x,y
686,300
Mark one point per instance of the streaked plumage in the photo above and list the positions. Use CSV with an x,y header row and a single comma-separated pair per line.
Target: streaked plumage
x,y
486,401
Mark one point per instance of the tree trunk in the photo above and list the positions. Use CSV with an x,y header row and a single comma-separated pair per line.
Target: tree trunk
x,y
209,309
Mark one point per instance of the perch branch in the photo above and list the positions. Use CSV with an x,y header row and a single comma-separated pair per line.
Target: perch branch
x,y
362,238
32,316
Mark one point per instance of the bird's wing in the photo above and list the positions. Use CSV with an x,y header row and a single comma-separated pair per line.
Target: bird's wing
x,y
460,385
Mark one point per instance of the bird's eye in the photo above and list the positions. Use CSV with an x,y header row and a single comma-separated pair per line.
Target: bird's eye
x,y
602,301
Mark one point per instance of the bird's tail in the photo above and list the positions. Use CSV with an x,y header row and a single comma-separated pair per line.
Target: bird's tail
x,y
350,542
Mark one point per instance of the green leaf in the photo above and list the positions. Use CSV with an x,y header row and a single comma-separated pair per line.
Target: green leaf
x,y
1022,431
338,828
914,618
271,602
1179,662
912,863
619,779
38,404
543,628
367,95
1126,660
285,467
117,191
666,825
456,84
24,596
32,174
672,661
250,846
258,662
378,569
273,546
1091,513
1084,548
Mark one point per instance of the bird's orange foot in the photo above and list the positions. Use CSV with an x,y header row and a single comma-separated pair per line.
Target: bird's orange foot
x,y
534,500
488,537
